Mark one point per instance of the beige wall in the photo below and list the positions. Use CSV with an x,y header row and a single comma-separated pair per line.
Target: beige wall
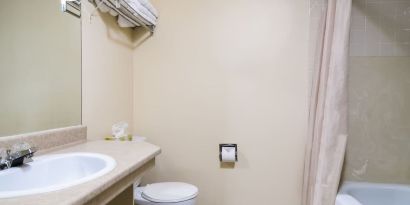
x,y
107,73
227,71
40,67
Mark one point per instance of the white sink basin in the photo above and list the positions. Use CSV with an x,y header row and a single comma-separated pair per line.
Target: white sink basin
x,y
53,172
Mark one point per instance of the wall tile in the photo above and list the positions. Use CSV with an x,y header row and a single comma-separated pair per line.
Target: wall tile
x,y
357,36
379,118
379,121
386,23
388,49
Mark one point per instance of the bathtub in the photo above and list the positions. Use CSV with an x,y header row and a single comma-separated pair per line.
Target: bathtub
x,y
359,193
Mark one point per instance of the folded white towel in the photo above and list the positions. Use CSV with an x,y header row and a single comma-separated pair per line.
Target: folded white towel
x,y
123,22
137,8
113,12
147,4
103,8
142,11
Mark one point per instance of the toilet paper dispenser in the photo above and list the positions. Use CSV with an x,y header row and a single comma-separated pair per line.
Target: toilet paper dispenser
x,y
228,152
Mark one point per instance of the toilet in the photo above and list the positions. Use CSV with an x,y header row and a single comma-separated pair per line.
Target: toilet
x,y
166,193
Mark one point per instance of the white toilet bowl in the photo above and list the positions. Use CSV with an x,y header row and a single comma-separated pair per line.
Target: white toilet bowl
x,y
167,193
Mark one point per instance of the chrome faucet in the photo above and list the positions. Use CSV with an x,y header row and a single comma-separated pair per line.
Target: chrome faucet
x,y
20,154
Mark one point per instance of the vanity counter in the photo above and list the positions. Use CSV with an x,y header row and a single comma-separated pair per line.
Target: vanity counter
x,y
132,158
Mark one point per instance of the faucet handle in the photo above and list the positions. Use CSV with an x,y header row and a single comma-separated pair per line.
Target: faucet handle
x,y
4,153
19,154
21,150
20,147
4,156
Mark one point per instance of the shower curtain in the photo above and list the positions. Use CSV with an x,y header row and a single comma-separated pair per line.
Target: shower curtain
x,y
327,131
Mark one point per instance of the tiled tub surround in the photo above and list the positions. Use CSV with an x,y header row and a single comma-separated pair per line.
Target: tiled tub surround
x,y
380,28
49,139
379,120
133,159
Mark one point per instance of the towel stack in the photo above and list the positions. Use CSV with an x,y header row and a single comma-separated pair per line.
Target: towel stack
x,y
142,10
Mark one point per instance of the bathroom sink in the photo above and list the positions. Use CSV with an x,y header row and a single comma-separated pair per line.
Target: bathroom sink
x,y
53,172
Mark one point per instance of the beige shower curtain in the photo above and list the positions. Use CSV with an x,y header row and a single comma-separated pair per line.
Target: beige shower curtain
x,y
328,107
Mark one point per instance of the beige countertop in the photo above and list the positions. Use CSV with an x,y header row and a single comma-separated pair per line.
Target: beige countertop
x,y
129,157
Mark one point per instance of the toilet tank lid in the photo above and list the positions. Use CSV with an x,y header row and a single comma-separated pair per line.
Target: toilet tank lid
x,y
168,192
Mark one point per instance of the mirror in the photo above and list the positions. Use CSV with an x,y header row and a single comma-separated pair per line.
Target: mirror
x,y
40,67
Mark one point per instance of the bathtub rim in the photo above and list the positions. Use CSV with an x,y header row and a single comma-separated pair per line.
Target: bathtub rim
x,y
348,185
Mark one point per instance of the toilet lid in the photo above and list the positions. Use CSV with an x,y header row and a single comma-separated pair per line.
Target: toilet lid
x,y
169,192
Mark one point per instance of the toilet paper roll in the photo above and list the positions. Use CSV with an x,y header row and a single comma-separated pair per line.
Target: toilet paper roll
x,y
228,154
